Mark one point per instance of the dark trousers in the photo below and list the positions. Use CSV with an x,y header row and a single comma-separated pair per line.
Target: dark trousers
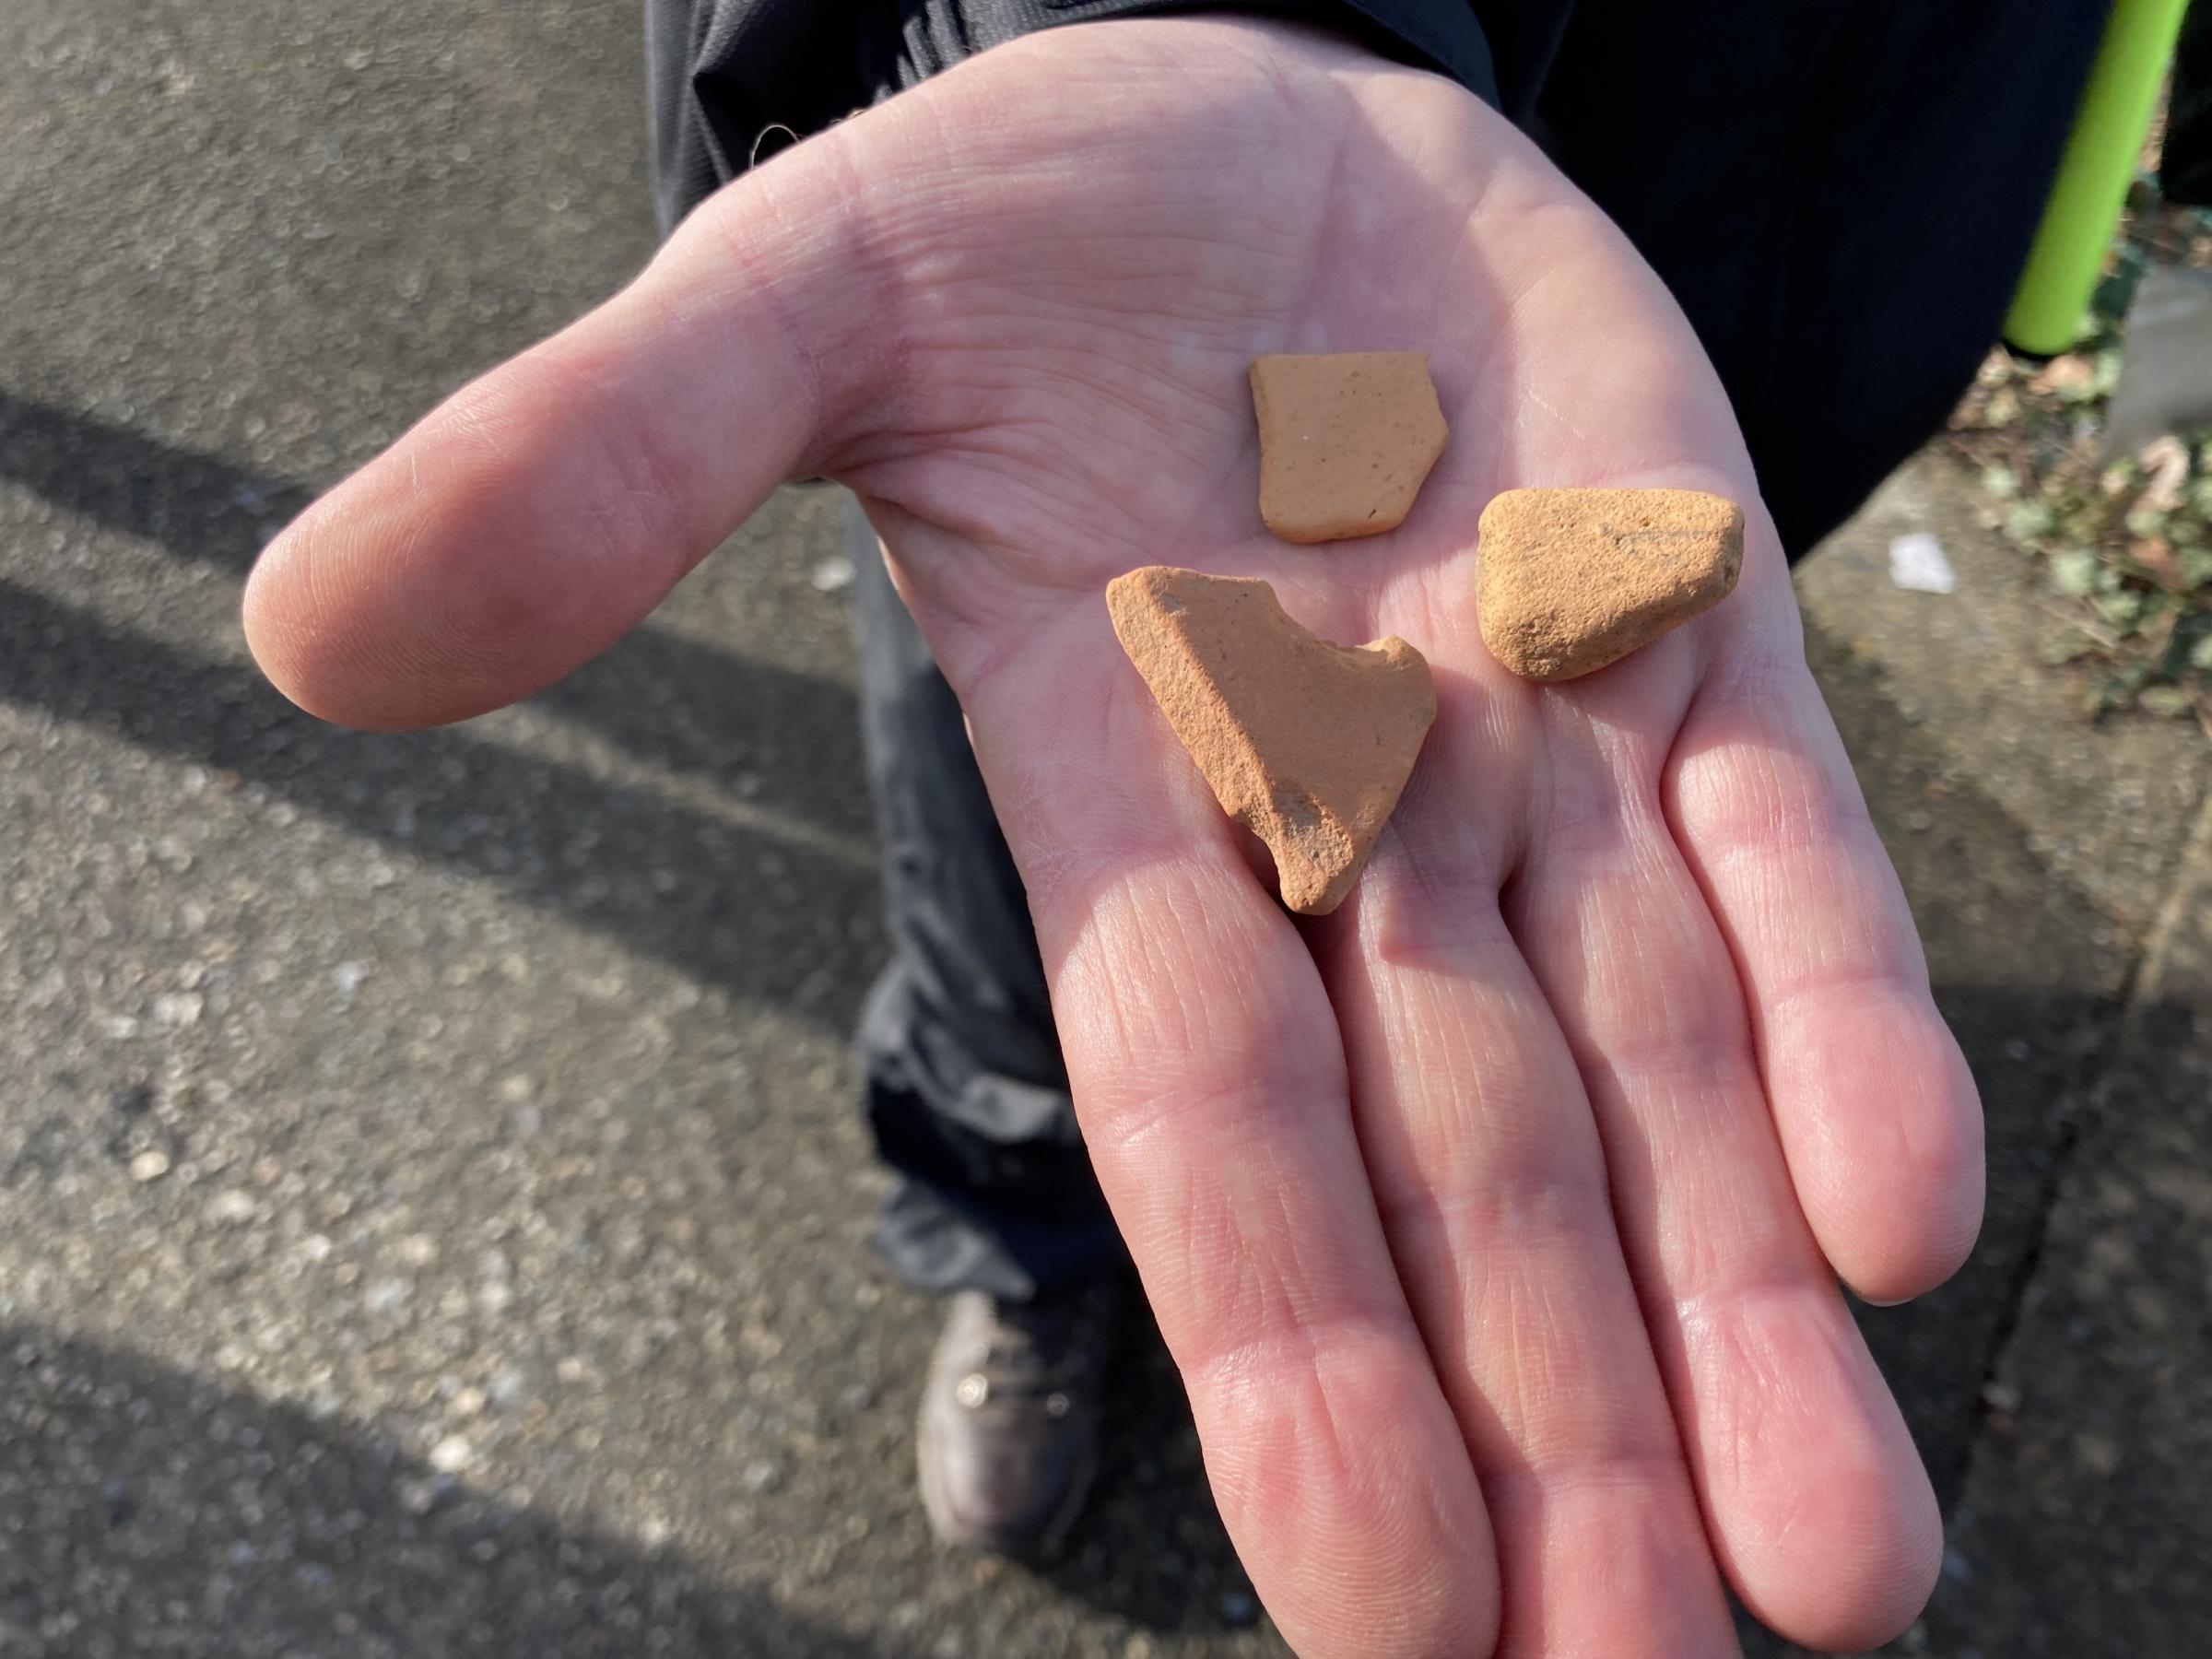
x,y
966,1092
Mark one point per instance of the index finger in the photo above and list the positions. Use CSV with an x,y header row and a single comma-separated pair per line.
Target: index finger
x,y
1210,1083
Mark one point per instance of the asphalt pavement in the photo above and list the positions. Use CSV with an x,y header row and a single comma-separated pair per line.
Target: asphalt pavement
x,y
433,1193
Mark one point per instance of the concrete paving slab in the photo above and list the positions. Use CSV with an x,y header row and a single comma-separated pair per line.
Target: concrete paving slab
x,y
2105,808
2035,848
2084,1527
2040,854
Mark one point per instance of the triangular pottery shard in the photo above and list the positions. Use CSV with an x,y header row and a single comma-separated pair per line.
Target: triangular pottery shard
x,y
1305,743
1346,439
1575,579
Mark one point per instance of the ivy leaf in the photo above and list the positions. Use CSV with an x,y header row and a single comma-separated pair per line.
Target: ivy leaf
x,y
2071,647
2074,572
2029,520
2108,696
2122,610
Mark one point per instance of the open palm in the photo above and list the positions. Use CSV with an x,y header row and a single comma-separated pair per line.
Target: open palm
x,y
1494,1221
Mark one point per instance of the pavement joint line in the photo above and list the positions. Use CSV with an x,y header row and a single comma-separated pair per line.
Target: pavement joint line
x,y
2194,861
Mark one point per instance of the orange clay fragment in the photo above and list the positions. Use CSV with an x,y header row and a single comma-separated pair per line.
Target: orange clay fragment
x,y
1306,744
1575,579
1345,441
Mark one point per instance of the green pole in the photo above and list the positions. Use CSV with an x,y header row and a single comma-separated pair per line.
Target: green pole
x,y
2093,175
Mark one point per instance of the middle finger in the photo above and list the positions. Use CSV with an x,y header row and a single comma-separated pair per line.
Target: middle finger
x,y
1490,1182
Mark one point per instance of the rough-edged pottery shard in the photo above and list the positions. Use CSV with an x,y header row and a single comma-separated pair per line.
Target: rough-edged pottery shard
x,y
1575,579
1305,743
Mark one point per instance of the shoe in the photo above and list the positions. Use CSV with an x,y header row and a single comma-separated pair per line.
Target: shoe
x,y
1008,1438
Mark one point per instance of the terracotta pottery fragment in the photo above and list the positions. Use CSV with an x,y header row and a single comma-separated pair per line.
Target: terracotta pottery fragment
x,y
1305,743
1346,439
1574,579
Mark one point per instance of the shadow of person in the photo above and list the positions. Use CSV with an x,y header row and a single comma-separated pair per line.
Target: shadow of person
x,y
145,1510
778,916
679,703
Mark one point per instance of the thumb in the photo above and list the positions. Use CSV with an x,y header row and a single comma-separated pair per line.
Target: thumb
x,y
540,513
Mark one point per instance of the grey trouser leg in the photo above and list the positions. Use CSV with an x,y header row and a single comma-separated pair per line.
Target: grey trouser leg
x,y
966,1095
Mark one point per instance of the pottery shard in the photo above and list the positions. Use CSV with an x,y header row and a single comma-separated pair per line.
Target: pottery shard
x,y
1305,743
1345,440
1574,579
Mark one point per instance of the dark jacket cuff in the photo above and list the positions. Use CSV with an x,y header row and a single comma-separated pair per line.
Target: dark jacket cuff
x,y
1442,35
733,81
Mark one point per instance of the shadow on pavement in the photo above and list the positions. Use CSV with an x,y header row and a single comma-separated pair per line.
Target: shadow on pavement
x,y
2033,997
153,1511
762,915
749,913
198,507
715,715
660,696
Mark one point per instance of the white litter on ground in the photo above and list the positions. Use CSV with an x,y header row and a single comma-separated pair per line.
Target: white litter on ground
x,y
1917,563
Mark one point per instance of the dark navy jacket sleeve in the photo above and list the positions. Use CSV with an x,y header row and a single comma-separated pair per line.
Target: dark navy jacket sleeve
x,y
733,81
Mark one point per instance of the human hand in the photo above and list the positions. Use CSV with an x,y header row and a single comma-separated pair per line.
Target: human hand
x,y
1490,1220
